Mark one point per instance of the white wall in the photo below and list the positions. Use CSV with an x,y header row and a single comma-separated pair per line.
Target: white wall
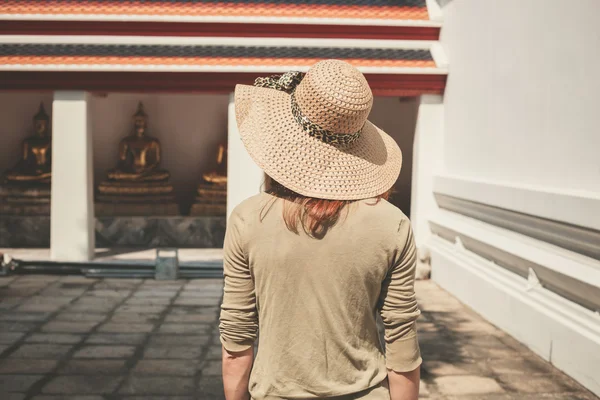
x,y
522,132
522,94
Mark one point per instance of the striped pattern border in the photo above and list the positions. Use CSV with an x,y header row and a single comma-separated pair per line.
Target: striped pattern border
x,y
368,9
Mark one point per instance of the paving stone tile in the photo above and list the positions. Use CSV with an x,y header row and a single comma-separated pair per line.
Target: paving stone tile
x,y
7,303
211,388
535,384
56,338
55,291
49,300
200,293
114,293
212,368
137,318
116,327
197,301
78,279
179,352
12,396
94,367
148,301
93,301
80,316
167,294
62,397
91,308
82,384
156,309
118,283
191,310
164,398
41,351
466,367
26,366
166,367
17,326
23,316
191,318
116,338
214,353
67,326
90,351
40,307
467,385
182,328
3,348
10,337
178,340
158,385
6,280
18,383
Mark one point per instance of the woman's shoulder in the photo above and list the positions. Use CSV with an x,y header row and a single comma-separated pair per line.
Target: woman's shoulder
x,y
252,206
382,213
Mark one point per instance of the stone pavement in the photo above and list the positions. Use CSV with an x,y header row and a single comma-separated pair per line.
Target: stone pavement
x,y
91,339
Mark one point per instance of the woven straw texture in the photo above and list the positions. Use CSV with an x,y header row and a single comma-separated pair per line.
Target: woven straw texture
x,y
336,96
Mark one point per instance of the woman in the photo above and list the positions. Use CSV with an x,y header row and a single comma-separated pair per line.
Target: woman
x,y
315,258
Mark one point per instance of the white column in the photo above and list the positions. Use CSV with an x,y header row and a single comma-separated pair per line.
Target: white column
x,y
244,177
427,161
72,207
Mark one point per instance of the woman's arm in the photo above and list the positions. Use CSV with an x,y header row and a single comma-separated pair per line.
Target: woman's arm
x,y
404,385
236,373
399,312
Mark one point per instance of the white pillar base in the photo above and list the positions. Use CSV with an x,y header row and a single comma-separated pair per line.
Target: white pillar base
x,y
244,177
72,205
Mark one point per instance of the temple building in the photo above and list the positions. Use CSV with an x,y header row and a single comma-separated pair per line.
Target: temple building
x,y
118,129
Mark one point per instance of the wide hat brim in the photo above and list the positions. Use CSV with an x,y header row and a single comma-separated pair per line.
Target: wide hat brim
x,y
283,150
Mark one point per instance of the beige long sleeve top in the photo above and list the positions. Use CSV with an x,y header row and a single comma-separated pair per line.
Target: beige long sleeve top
x,y
315,301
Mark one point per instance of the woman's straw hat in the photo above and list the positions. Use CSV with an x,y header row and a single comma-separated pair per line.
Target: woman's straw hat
x,y
311,134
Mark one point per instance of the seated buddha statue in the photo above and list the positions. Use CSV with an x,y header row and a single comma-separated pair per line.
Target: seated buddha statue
x,y
139,154
211,193
219,175
137,186
35,164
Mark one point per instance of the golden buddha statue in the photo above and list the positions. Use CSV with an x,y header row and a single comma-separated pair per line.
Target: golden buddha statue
x,y
137,186
211,194
35,164
139,154
219,175
25,189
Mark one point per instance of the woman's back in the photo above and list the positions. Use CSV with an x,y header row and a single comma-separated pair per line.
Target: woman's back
x,y
315,300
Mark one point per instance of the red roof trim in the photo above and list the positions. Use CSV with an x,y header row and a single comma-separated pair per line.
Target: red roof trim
x,y
198,29
184,82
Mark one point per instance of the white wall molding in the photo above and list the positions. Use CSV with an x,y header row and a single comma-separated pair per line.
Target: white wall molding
x,y
569,206
565,262
560,331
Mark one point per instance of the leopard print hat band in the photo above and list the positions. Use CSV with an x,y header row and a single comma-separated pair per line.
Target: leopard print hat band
x,y
287,83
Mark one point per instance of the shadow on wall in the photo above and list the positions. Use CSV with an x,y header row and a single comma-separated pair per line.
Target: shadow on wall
x,y
444,3
398,117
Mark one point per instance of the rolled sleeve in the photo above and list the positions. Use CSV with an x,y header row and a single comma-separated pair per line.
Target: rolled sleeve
x,y
238,324
398,306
